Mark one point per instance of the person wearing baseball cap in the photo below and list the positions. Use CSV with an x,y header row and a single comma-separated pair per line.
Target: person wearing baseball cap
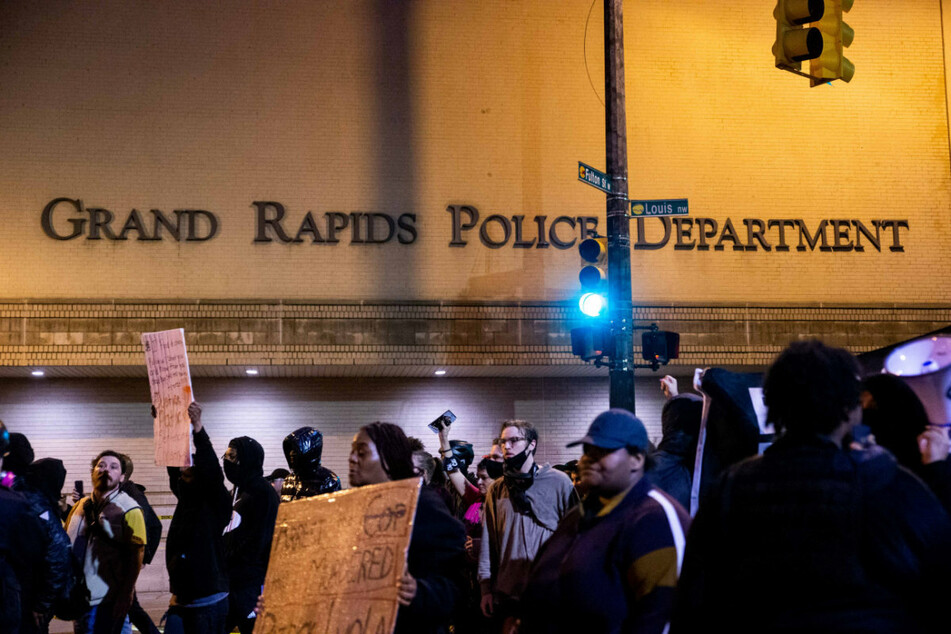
x,y
614,561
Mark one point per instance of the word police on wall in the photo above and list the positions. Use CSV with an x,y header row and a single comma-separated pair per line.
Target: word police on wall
x,y
69,219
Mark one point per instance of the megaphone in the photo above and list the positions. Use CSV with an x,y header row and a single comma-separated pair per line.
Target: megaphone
x,y
925,365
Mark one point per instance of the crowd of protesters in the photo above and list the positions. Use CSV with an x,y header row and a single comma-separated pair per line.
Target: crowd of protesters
x,y
841,525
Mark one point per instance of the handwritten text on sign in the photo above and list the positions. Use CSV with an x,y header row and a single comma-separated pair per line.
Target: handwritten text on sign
x,y
336,560
171,387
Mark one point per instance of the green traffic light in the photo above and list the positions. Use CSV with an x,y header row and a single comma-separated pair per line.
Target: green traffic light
x,y
592,304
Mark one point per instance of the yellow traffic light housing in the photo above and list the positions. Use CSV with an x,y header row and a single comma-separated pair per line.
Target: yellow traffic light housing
x,y
836,36
593,276
593,252
795,43
821,42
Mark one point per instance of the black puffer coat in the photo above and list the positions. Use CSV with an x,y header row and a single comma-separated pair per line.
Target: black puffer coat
x,y
303,449
41,486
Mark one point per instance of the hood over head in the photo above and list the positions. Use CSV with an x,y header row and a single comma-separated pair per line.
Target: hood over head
x,y
302,449
20,454
250,460
47,475
680,424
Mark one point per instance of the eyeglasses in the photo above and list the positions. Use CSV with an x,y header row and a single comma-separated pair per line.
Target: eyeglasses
x,y
507,442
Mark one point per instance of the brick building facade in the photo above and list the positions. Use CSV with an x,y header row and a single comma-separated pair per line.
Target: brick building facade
x,y
347,196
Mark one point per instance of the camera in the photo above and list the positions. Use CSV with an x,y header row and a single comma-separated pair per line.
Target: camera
x,y
445,419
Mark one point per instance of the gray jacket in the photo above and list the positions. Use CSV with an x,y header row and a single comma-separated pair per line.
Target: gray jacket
x,y
510,540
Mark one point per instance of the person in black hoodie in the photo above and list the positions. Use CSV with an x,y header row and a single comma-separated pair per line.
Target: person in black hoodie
x,y
21,551
248,535
303,448
676,454
194,548
432,584
40,486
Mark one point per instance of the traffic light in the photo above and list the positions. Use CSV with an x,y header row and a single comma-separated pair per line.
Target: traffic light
x,y
794,43
821,42
836,35
593,276
592,339
660,346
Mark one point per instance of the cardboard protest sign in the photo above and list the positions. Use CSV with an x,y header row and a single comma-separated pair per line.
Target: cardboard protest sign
x,y
171,385
336,560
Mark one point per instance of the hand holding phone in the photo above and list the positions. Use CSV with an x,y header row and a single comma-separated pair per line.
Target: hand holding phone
x,y
445,419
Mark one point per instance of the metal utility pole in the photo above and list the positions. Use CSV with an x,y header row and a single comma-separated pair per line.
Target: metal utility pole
x,y
620,305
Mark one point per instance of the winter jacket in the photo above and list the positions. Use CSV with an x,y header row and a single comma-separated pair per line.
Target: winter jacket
x,y
303,449
21,555
809,537
247,537
676,454
511,539
609,574
194,548
41,486
437,561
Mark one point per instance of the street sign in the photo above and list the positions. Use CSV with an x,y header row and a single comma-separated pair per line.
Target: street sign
x,y
673,207
593,177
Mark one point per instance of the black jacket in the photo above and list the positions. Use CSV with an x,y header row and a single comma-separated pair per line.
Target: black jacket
x,y
676,454
437,561
248,535
40,486
302,449
194,549
811,538
21,556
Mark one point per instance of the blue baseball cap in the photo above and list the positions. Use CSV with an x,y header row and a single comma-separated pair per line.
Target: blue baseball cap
x,y
614,429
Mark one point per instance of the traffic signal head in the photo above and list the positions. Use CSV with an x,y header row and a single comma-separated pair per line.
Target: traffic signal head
x,y
813,30
590,342
660,346
836,36
593,276
794,43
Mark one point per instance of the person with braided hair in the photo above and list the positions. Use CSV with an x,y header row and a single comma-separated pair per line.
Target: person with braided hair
x,y
432,582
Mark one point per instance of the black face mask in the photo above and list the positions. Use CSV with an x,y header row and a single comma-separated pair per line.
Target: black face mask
x,y
232,471
494,469
516,462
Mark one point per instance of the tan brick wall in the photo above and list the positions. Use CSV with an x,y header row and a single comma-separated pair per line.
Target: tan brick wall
x,y
86,338
410,107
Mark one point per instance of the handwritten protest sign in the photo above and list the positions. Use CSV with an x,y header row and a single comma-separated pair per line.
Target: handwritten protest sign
x,y
171,386
336,560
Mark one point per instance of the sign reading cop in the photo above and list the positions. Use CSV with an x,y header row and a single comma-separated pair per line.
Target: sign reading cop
x,y
336,559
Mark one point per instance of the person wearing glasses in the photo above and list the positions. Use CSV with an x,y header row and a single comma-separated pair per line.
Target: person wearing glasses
x,y
521,511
